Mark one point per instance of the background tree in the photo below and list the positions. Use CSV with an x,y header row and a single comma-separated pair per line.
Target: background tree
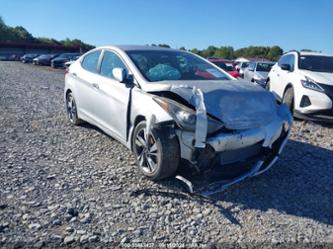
x,y
20,34
274,53
164,45
224,52
195,51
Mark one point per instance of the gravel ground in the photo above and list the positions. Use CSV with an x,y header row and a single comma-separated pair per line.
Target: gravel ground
x,y
63,185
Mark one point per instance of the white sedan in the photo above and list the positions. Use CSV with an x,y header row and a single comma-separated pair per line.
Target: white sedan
x,y
169,106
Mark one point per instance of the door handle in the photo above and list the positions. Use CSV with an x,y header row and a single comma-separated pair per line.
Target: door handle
x,y
95,85
278,75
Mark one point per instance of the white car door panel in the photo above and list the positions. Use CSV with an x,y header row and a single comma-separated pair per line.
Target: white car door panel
x,y
111,106
84,84
249,71
85,94
112,99
285,75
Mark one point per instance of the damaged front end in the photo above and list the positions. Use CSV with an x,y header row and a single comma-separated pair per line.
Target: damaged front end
x,y
228,135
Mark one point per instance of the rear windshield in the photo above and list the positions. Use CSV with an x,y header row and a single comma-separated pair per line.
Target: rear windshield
x,y
316,63
163,65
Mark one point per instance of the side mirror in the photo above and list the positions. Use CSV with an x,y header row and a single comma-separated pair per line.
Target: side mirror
x,y
250,69
119,74
286,67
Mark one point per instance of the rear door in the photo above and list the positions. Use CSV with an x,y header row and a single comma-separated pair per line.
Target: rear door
x,y
112,96
85,89
248,73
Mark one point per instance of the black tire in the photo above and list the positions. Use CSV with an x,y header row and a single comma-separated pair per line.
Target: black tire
x,y
164,162
288,99
71,109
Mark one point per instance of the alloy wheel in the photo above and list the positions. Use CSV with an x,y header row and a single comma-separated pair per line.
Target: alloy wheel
x,y
71,108
146,151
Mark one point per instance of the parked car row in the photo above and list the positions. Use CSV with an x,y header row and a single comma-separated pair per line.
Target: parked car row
x,y
9,57
53,60
257,71
226,65
302,80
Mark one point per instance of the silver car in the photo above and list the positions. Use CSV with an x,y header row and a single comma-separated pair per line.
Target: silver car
x,y
169,106
257,71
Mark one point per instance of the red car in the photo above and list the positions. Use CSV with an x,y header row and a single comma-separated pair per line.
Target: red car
x,y
226,65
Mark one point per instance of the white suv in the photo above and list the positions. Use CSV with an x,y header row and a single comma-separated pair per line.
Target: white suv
x,y
304,81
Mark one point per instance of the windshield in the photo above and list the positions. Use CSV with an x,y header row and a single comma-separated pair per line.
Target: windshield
x,y
316,63
174,65
245,64
67,56
46,56
225,66
264,67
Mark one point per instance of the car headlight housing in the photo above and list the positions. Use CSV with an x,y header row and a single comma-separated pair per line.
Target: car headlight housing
x,y
311,84
184,116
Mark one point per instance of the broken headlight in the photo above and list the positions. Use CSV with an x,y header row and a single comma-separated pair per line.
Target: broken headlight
x,y
184,116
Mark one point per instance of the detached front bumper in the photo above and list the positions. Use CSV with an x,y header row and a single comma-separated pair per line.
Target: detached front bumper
x,y
240,153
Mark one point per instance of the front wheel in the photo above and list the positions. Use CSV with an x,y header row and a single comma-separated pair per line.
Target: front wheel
x,y
157,154
288,99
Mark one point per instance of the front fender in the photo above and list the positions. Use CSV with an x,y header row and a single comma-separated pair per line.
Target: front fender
x,y
143,106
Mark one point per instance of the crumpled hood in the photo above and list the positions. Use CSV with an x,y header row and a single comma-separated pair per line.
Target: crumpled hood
x,y
238,104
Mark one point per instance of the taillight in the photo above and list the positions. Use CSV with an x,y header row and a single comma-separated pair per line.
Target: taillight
x,y
66,71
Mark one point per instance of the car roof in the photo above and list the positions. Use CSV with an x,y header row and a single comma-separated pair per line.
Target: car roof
x,y
139,47
220,60
314,53
264,61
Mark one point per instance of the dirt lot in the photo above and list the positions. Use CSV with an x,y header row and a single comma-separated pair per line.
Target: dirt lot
x,y
67,185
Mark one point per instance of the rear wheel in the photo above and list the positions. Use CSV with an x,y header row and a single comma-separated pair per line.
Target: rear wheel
x,y
72,109
157,154
288,99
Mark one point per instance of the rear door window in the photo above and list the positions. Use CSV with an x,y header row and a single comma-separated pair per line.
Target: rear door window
x,y
90,61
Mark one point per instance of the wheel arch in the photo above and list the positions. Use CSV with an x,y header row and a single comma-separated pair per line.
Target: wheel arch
x,y
68,91
289,85
137,120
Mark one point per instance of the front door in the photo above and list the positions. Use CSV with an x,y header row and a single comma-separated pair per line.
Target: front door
x,y
112,97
